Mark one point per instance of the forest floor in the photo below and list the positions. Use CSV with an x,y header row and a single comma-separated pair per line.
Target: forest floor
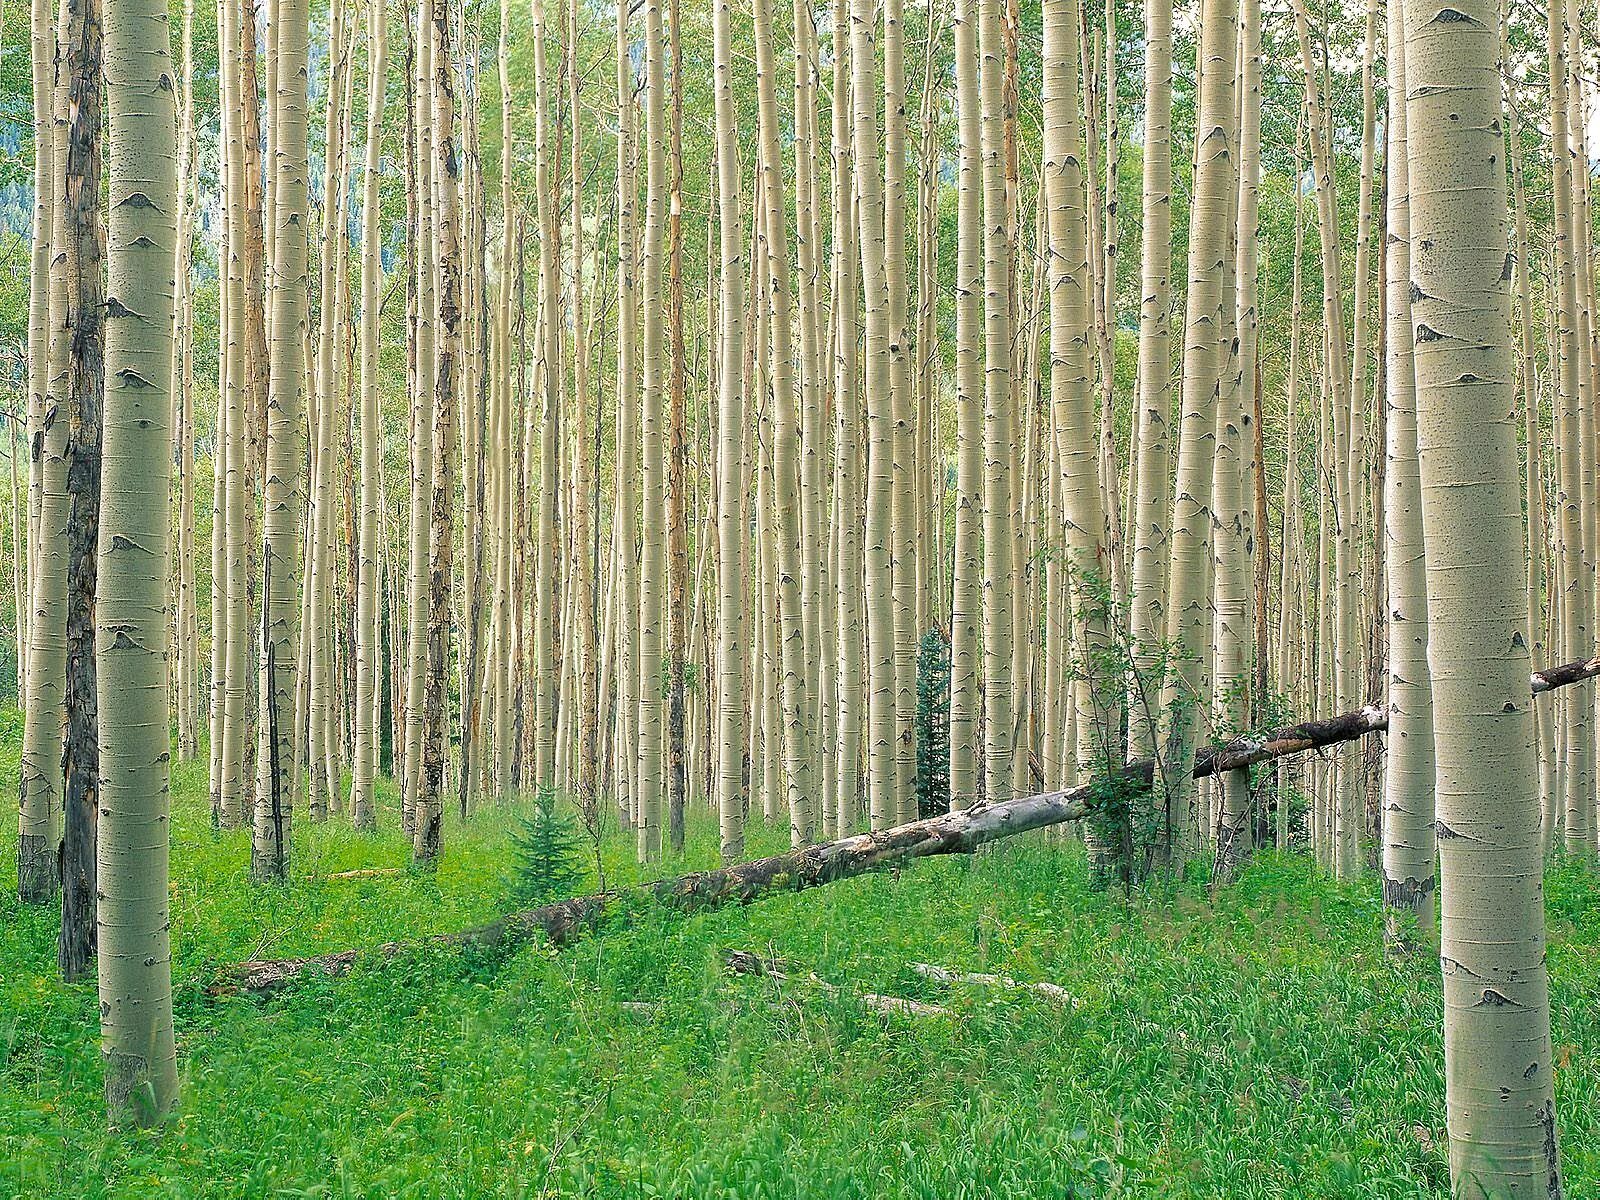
x,y
1257,1045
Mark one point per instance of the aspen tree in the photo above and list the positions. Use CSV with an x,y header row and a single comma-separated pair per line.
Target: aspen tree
x,y
626,468
998,552
1588,344
809,378
422,401
550,413
1339,470
39,787
283,495
1072,400
82,247
877,562
446,388
1097,59
19,551
363,812
927,589
42,38
730,491
677,462
1409,848
236,656
847,423
785,445
186,621
1147,608
1576,601
1534,496
1358,505
506,611
1232,532
1588,354
767,648
967,596
135,969
256,363
1204,358
1498,1087
219,531
586,640
651,591
477,573
902,521
320,770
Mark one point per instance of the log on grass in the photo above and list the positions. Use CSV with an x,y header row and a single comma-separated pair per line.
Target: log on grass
x,y
742,962
1050,991
813,866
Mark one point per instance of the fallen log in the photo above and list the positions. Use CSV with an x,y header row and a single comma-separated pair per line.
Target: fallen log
x,y
813,866
742,962
1050,991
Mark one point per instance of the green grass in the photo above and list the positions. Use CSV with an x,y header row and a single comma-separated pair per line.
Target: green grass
x,y
1260,1046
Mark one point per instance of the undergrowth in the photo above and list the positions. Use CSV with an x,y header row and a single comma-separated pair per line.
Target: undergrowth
x,y
1255,1045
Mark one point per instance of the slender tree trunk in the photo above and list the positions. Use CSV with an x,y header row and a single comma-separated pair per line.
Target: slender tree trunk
x,y
135,971
40,782
1232,533
847,422
1147,612
186,623
446,385
421,409
83,247
998,557
677,466
283,491
1576,600
363,810
585,497
1409,846
1496,990
1534,496
785,446
546,694
967,595
1204,358
731,528
1072,397
323,783
903,549
626,469
883,800
40,332
652,447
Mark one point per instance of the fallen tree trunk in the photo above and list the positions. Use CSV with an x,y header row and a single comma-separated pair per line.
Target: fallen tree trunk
x,y
742,962
813,866
1051,991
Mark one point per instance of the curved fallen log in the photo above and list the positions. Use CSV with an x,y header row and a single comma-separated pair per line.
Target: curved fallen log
x,y
813,866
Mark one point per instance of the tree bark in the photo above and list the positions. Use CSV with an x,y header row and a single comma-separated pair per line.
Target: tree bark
x,y
283,486
1409,844
731,528
966,605
84,249
1497,1053
135,969
363,810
